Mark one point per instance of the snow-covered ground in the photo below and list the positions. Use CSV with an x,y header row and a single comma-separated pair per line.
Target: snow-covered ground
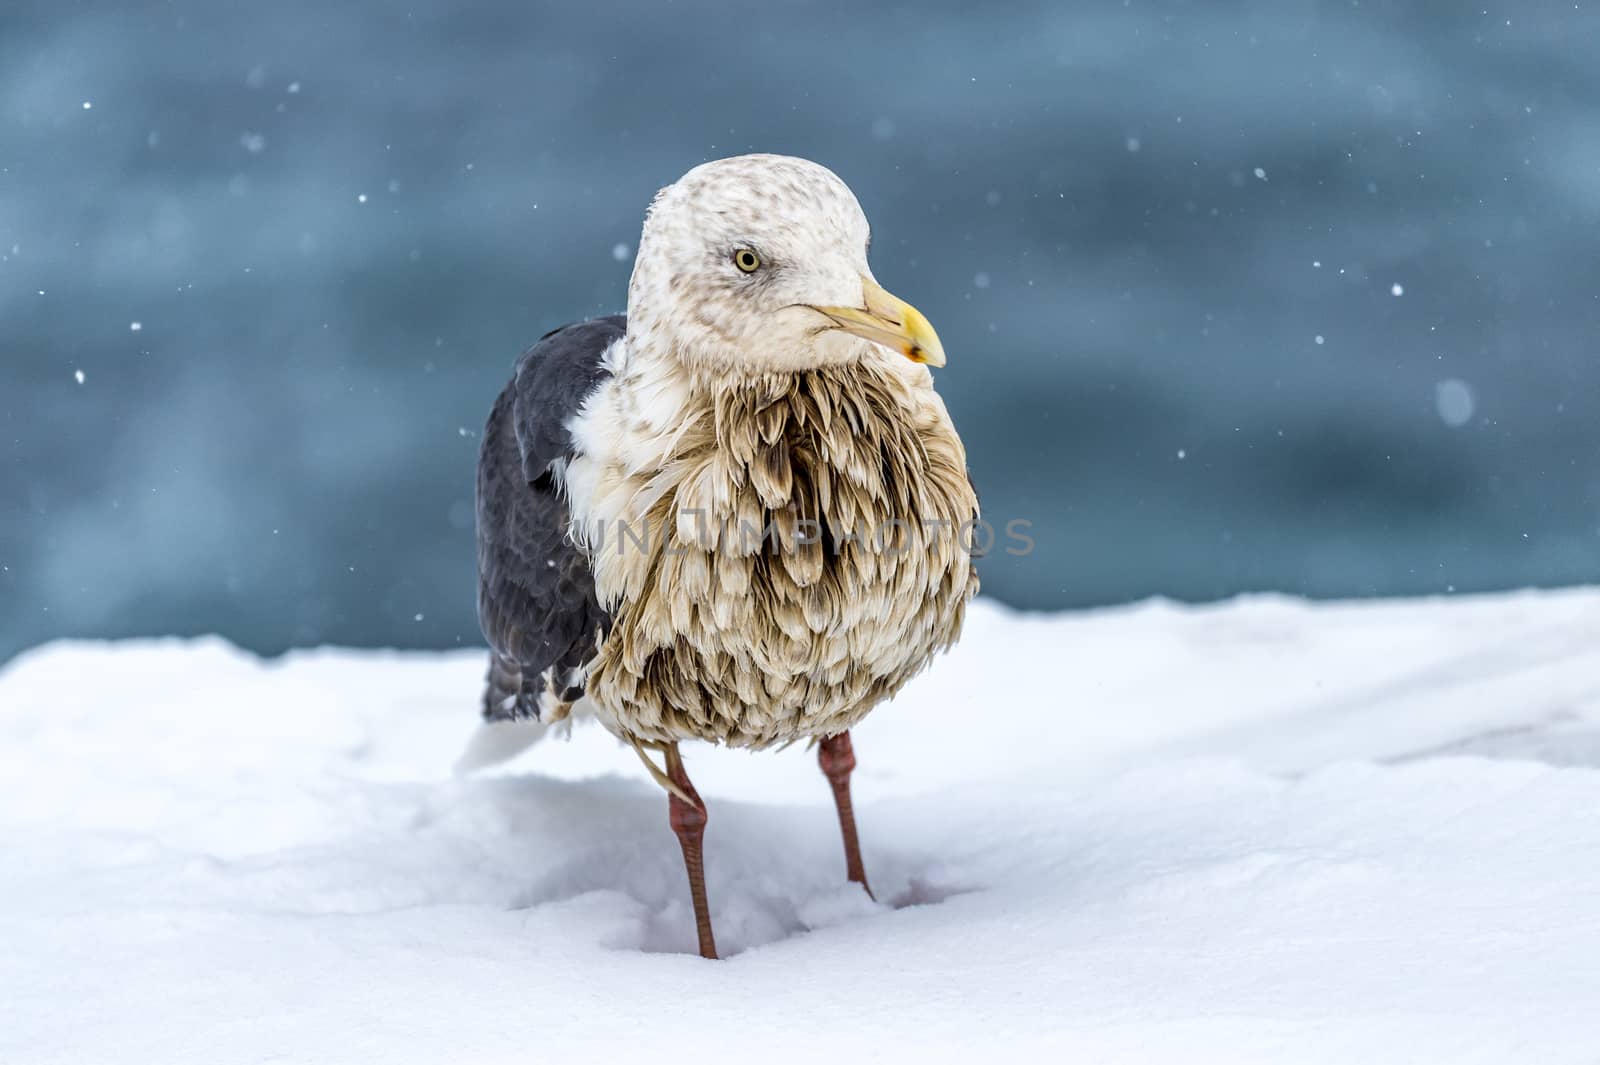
x,y
1263,831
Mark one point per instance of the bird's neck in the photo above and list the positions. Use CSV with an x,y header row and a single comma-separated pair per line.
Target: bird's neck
x,y
667,390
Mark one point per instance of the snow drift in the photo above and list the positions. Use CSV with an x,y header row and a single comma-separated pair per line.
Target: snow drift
x,y
1261,831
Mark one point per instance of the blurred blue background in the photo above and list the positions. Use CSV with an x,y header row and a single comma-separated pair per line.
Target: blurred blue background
x,y
1270,294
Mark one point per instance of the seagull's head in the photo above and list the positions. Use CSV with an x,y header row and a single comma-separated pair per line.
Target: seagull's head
x,y
758,264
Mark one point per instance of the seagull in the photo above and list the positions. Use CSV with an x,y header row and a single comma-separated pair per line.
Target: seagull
x,y
739,513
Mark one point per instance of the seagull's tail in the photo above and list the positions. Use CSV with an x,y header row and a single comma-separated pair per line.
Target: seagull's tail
x,y
500,741
516,718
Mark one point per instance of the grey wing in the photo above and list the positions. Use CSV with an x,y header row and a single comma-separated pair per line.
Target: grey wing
x,y
536,598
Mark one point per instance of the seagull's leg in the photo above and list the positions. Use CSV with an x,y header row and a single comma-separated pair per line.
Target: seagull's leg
x,y
838,760
687,815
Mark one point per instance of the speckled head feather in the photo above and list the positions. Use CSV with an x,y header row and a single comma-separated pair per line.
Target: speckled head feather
x,y
809,238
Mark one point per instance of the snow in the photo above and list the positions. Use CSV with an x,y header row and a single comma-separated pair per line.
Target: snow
x,y
1259,831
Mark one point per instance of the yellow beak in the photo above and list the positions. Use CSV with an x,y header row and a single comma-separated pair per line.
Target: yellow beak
x,y
891,321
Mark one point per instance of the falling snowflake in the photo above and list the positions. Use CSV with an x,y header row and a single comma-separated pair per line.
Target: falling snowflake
x,y
1454,402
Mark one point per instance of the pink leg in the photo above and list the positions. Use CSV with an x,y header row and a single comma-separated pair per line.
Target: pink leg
x,y
689,823
838,760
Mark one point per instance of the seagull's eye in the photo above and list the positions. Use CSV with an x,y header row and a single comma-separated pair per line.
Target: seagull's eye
x,y
747,260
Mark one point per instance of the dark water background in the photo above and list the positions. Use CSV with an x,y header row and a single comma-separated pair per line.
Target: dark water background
x,y
1130,220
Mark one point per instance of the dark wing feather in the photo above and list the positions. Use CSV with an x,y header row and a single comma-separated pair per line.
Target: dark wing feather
x,y
536,601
